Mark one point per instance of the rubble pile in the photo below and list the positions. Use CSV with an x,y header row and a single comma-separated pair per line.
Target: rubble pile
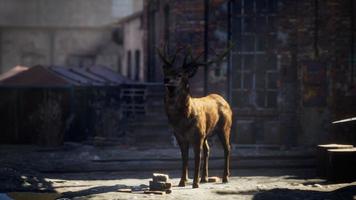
x,y
20,177
160,184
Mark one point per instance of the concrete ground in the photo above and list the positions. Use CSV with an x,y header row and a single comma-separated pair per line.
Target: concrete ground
x,y
87,172
244,184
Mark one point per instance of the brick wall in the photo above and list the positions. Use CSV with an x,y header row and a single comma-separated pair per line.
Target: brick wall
x,y
312,46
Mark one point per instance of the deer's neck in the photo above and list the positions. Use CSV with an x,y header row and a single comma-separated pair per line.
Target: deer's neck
x,y
178,107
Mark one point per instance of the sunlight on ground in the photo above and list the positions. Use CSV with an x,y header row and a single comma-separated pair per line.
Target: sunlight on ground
x,y
99,186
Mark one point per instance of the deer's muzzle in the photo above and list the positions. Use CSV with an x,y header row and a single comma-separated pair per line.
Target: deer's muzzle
x,y
170,88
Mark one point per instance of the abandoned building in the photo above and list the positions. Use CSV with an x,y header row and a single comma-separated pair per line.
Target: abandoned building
x,y
289,75
291,71
95,99
64,33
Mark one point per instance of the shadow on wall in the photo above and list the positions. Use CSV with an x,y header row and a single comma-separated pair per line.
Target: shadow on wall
x,y
347,193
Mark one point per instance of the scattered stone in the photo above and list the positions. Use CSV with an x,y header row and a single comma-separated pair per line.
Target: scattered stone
x,y
155,192
126,190
160,184
22,177
213,179
160,177
317,185
295,184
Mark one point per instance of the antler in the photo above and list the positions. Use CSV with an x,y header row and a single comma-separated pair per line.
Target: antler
x,y
193,65
218,57
166,58
189,55
190,63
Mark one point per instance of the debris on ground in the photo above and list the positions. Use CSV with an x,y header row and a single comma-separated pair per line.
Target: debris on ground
x,y
21,177
160,184
126,190
213,179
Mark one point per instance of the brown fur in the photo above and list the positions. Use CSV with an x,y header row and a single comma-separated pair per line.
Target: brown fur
x,y
193,120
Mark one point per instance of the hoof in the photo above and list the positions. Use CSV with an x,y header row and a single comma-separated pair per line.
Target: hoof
x,y
225,180
181,183
195,185
204,180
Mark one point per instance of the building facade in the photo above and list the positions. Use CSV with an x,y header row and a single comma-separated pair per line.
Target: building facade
x,y
291,71
65,33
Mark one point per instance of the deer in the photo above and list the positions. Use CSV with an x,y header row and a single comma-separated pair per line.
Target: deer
x,y
194,120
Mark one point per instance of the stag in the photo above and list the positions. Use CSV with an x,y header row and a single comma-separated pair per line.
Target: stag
x,y
194,119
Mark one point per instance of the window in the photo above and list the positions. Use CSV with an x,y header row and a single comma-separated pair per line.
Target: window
x,y
255,71
128,60
137,64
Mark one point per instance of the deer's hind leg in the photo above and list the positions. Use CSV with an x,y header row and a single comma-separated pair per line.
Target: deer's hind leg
x,y
224,136
206,151
198,146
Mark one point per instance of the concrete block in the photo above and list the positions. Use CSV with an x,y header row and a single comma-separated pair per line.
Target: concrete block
x,y
213,179
125,190
160,177
341,166
322,157
162,186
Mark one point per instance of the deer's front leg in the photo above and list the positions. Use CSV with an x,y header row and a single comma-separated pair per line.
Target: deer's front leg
x,y
184,147
197,151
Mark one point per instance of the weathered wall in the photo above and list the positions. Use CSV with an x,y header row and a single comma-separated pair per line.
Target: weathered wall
x,y
33,46
315,44
50,32
309,44
65,13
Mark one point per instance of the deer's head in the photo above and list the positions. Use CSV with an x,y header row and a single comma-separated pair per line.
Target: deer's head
x,y
176,74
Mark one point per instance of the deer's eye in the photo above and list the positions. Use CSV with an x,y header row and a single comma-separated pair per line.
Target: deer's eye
x,y
166,80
